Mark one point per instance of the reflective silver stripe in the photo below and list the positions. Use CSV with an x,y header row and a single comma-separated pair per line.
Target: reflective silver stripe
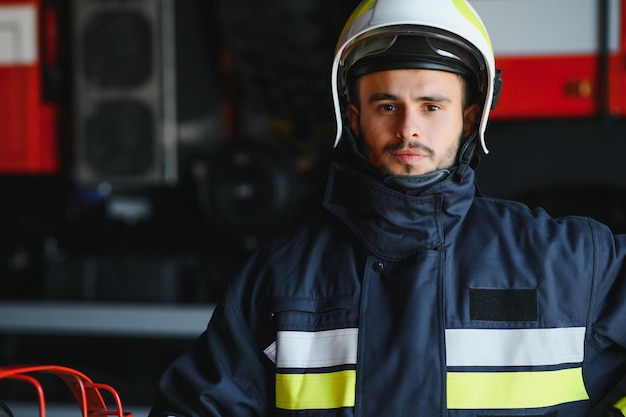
x,y
514,347
314,349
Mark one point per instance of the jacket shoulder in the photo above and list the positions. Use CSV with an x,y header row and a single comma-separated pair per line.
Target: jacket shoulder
x,y
520,211
513,217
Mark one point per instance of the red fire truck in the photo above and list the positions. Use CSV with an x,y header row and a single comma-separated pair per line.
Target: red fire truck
x,y
560,58
28,122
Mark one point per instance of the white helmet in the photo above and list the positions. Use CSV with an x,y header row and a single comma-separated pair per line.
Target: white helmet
x,y
432,34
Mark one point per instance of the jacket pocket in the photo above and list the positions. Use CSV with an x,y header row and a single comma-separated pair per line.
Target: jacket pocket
x,y
315,354
309,314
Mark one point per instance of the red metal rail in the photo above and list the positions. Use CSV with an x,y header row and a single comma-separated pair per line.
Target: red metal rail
x,y
88,394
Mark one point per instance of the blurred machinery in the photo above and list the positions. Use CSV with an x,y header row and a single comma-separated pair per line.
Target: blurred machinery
x,y
181,136
124,88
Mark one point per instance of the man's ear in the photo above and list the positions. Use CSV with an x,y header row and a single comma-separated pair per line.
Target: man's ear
x,y
470,118
352,113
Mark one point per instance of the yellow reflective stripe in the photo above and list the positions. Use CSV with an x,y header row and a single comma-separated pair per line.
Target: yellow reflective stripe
x,y
315,391
489,390
472,17
621,405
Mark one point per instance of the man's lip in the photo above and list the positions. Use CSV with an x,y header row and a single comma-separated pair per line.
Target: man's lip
x,y
411,157
409,153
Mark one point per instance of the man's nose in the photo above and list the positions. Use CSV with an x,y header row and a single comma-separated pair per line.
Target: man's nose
x,y
408,124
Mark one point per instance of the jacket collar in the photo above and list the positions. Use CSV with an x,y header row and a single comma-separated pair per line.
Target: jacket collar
x,y
394,225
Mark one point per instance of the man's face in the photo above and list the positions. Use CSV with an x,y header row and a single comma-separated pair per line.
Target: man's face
x,y
411,121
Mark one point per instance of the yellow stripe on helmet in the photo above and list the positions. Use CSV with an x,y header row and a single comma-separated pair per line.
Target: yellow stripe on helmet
x,y
361,9
471,16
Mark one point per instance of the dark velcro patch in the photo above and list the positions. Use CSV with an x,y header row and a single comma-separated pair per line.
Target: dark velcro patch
x,y
503,304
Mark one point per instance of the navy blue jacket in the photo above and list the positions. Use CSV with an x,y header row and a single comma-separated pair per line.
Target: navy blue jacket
x,y
441,304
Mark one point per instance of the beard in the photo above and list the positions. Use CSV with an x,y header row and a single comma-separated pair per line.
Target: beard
x,y
445,160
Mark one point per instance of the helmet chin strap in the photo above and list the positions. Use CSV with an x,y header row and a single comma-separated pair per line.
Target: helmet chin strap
x,y
465,156
413,184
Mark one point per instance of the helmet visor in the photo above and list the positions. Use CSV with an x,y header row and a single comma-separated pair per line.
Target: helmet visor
x,y
410,48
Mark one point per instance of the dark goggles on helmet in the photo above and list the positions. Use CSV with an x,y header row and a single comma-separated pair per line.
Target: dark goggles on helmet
x,y
405,47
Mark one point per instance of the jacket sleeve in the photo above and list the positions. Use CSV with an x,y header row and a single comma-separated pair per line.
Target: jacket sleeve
x,y
224,373
608,312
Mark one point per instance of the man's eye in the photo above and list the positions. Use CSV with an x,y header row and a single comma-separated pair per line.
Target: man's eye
x,y
388,107
432,107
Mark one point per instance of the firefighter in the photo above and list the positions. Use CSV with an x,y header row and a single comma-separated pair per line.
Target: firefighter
x,y
413,294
